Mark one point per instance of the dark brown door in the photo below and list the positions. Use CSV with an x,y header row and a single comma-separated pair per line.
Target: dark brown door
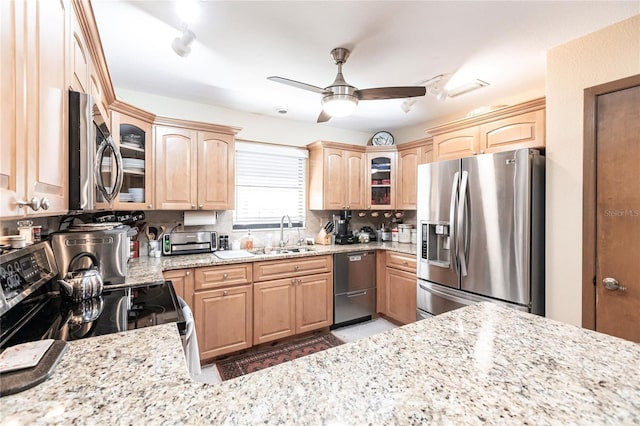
x,y
618,213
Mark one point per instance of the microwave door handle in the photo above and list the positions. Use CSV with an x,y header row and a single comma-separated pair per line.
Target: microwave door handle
x,y
120,174
452,217
461,245
98,171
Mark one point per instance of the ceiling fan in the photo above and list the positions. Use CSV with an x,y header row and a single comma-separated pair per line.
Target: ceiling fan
x,y
340,98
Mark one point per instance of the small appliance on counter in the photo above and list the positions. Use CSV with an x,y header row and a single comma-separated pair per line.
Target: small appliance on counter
x,y
109,242
343,231
189,242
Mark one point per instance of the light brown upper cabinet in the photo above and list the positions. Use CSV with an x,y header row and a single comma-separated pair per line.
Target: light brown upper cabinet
x,y
194,165
410,155
336,176
34,83
132,130
381,178
513,127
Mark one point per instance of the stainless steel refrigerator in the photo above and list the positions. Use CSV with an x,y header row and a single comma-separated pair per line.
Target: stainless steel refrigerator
x,y
481,232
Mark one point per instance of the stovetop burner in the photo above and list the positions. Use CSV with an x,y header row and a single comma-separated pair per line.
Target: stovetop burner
x,y
53,316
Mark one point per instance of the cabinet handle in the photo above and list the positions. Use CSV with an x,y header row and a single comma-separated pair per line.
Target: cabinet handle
x,y
45,203
201,206
225,276
34,203
193,206
150,206
188,273
299,282
474,153
293,281
226,292
295,268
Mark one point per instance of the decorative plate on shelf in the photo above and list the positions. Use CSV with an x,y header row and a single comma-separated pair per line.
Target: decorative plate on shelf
x,y
382,138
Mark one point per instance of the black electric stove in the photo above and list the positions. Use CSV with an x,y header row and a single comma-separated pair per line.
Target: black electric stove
x,y
32,308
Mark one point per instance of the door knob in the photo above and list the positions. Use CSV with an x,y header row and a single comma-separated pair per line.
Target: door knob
x,y
613,284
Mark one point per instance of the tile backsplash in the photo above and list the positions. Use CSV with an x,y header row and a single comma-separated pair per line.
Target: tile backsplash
x,y
224,225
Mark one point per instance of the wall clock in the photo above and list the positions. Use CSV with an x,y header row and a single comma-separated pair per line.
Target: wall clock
x,y
382,138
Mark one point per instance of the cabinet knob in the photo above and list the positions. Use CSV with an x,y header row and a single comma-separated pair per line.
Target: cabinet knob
x,y
299,281
293,281
188,273
193,206
34,203
295,268
474,153
481,152
226,292
404,262
45,203
150,206
201,206
225,276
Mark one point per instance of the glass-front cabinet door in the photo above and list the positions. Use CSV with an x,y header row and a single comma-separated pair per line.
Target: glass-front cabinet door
x,y
134,139
381,180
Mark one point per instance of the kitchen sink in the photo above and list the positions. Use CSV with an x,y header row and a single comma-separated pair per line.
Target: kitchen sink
x,y
285,250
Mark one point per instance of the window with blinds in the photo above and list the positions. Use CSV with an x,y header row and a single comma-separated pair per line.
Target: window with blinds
x,y
270,183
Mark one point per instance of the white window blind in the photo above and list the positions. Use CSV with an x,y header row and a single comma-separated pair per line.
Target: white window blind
x,y
270,183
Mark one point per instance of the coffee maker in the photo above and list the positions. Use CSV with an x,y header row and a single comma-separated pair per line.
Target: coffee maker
x,y
343,232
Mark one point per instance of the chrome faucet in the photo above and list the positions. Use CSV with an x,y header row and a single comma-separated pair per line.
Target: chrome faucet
x,y
282,241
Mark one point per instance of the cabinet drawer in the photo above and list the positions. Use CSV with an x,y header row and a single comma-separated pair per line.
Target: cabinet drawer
x,y
275,269
222,276
405,262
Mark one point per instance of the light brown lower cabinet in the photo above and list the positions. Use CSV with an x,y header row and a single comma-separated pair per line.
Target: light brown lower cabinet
x,y
223,320
223,309
398,295
291,306
182,280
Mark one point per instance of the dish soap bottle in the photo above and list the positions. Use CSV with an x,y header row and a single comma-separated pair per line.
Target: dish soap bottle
x,y
247,241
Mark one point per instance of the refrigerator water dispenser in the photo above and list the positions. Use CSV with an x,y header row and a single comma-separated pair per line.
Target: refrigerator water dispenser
x,y
436,244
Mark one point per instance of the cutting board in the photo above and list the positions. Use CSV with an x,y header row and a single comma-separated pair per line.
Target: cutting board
x,y
232,254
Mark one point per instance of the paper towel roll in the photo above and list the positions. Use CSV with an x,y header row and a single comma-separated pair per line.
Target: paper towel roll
x,y
199,218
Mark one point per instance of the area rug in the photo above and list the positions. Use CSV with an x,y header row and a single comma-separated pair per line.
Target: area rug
x,y
239,365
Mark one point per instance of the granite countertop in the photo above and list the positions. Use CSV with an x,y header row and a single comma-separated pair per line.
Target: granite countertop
x,y
149,269
476,365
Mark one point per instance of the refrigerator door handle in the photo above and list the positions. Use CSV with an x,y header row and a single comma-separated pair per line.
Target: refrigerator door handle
x,y
461,244
452,219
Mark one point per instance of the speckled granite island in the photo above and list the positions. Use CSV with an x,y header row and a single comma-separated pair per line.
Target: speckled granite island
x,y
477,365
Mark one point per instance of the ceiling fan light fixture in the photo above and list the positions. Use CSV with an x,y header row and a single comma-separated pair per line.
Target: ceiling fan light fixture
x,y
181,45
339,105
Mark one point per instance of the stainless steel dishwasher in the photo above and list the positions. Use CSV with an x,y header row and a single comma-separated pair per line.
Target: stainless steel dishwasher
x,y
354,287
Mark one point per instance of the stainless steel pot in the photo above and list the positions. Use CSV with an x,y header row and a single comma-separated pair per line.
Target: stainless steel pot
x,y
82,284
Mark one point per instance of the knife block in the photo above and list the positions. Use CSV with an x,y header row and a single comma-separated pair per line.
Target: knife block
x,y
323,238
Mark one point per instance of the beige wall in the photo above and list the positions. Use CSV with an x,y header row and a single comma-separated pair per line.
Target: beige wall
x,y
606,55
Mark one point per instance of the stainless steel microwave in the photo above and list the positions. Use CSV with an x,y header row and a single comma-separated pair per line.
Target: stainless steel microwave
x,y
95,164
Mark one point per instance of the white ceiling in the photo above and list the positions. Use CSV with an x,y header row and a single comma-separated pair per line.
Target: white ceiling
x,y
394,43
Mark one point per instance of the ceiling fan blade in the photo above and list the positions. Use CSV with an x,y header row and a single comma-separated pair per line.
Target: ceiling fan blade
x,y
391,92
299,85
323,117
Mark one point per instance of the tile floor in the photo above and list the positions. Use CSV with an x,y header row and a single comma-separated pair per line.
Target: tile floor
x,y
348,334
